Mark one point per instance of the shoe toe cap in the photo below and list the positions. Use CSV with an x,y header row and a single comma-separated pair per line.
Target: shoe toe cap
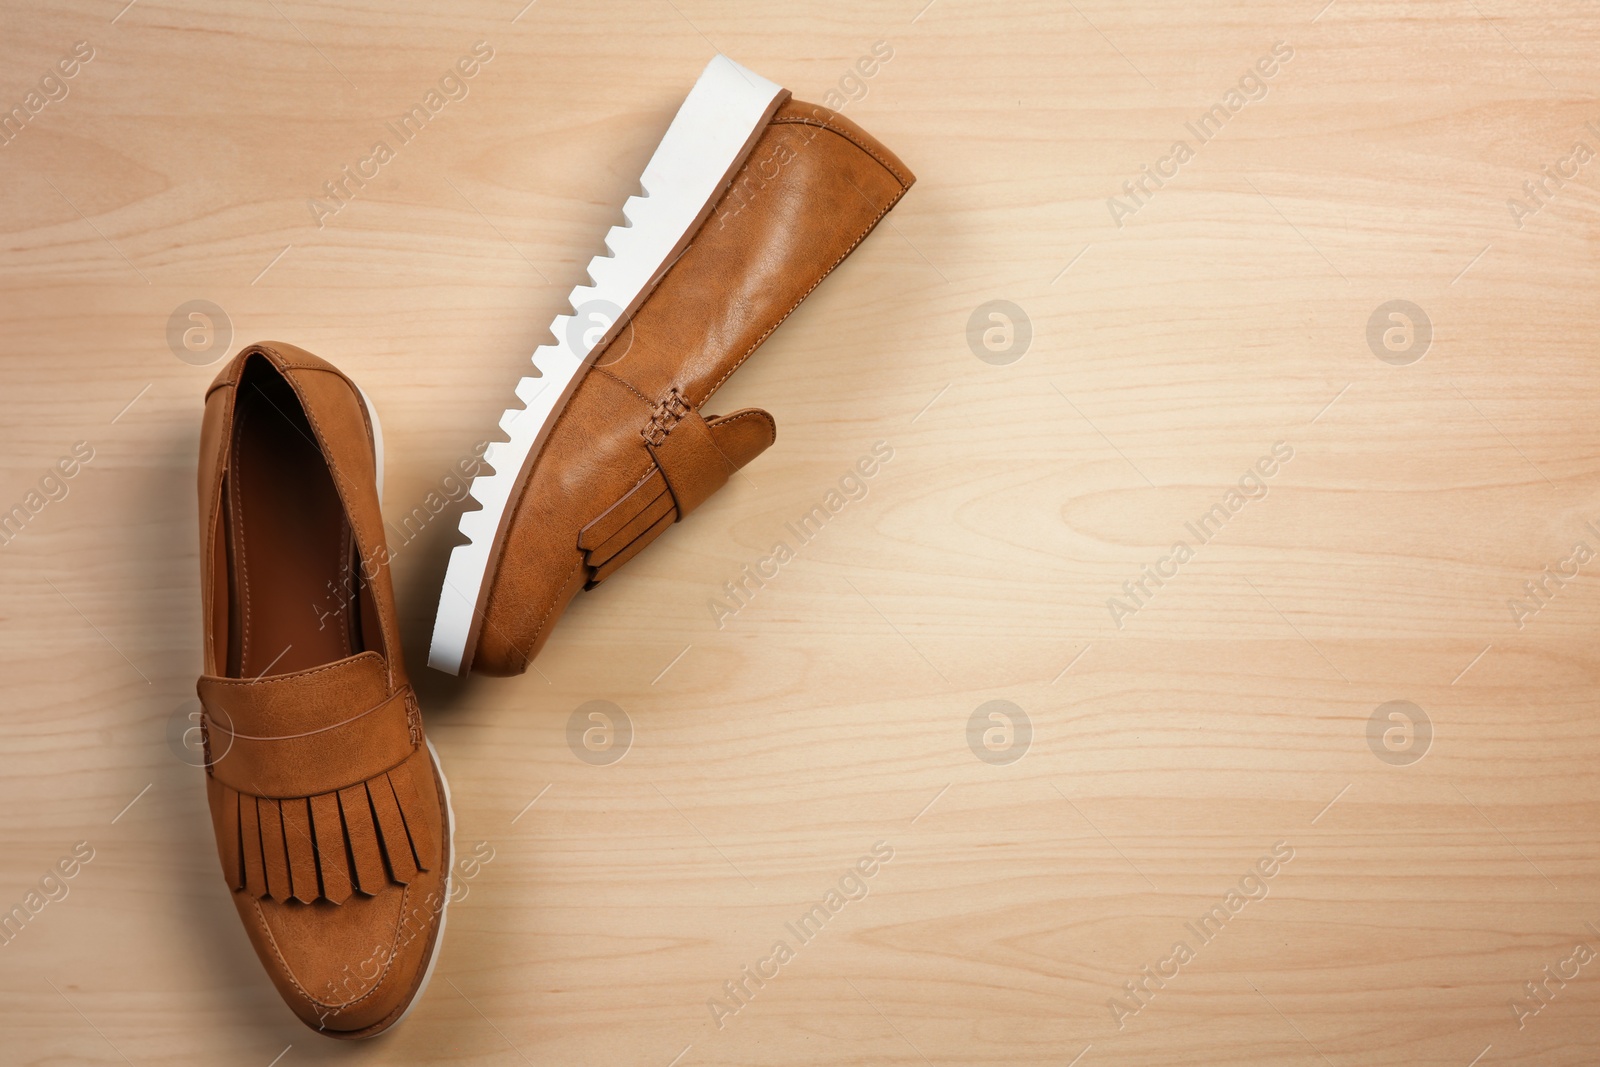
x,y
348,969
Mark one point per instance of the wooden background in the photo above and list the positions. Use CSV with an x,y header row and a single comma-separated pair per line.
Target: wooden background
x,y
1234,710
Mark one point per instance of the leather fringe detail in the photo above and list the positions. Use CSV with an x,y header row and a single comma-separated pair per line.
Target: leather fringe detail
x,y
627,527
693,456
324,847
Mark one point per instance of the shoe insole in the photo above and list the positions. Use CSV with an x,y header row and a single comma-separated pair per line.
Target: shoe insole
x,y
294,573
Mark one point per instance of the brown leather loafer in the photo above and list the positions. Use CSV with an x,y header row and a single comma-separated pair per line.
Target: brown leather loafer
x,y
752,199
331,816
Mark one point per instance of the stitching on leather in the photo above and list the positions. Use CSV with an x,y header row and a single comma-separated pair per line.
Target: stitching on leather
x,y
433,943
219,501
297,674
648,471
626,385
331,463
526,659
612,507
413,722
238,539
637,485
645,477
484,611
294,364
664,418
272,943
805,120
344,486
505,545
405,695
764,416
405,895
284,360
758,341
346,548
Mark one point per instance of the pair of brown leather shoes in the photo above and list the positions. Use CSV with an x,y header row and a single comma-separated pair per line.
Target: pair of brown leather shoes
x,y
332,818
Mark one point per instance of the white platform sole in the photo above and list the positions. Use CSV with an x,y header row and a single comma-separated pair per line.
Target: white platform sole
x,y
449,877
708,140
449,807
377,443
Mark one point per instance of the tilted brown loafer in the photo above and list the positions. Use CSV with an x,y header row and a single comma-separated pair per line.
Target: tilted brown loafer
x,y
332,820
751,200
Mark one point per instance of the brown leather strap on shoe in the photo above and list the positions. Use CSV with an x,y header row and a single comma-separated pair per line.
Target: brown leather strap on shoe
x,y
694,457
316,761
315,812
687,455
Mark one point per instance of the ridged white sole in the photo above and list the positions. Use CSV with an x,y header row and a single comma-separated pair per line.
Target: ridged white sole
x,y
708,140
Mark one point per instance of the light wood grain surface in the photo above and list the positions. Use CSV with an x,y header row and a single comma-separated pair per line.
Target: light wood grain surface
x,y
1171,742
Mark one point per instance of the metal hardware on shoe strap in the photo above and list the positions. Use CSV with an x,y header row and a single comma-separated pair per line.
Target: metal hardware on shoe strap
x,y
669,411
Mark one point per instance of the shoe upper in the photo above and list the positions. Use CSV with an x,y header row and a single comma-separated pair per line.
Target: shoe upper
x,y
329,816
632,453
